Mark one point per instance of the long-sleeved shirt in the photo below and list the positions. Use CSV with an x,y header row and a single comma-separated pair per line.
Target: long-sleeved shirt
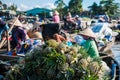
x,y
91,48
19,33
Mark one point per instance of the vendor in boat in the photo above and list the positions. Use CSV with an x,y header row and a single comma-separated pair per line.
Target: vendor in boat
x,y
18,33
78,22
3,28
90,44
101,19
60,38
36,32
70,22
56,17
69,17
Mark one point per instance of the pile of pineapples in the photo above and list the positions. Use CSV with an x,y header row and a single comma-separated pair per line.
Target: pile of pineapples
x,y
58,61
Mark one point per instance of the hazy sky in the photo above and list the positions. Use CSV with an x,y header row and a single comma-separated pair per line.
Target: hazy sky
x,y
29,4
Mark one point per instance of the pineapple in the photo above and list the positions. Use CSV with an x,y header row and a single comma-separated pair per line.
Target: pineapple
x,y
52,43
62,47
83,63
69,58
28,57
74,50
51,73
63,67
47,50
94,67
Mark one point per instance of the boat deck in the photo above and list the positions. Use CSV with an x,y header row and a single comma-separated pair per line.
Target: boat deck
x,y
3,51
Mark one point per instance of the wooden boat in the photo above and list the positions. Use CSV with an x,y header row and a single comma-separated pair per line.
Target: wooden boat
x,y
5,57
110,61
118,37
107,47
100,29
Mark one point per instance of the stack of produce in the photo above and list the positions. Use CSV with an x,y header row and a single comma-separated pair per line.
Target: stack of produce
x,y
54,61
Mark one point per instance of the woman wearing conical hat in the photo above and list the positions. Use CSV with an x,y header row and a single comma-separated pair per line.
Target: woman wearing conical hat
x,y
90,44
18,33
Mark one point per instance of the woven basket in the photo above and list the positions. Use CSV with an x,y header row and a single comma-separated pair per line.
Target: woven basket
x,y
35,35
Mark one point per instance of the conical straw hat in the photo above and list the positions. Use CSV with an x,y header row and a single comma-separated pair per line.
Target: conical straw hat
x,y
35,35
17,23
56,13
88,32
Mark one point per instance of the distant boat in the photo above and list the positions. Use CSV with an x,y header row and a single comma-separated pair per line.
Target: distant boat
x,y
101,29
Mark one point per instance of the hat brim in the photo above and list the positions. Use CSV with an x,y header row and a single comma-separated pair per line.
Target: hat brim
x,y
16,22
88,32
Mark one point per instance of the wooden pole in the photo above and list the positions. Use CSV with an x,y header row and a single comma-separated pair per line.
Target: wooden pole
x,y
12,26
8,42
3,40
4,43
110,55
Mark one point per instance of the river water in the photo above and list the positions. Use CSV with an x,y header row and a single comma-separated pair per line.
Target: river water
x,y
116,51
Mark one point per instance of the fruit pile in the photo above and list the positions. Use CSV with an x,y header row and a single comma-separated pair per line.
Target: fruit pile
x,y
58,61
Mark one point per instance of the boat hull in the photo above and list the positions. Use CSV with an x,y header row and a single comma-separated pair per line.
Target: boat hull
x,y
107,47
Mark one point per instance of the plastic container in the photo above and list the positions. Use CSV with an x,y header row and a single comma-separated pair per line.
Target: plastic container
x,y
9,53
69,43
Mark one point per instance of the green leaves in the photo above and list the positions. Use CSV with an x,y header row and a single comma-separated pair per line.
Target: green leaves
x,y
83,52
54,65
105,6
75,6
55,59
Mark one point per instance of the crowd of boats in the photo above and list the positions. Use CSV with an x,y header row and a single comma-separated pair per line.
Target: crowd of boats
x,y
22,34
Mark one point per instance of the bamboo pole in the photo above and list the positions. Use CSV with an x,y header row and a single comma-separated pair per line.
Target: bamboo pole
x,y
8,42
3,40
12,25
4,43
